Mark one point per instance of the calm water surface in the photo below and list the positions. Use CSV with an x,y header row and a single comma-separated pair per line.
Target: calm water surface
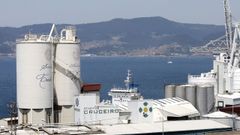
x,y
151,73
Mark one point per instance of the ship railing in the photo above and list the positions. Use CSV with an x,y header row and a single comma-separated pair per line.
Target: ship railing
x,y
202,76
116,89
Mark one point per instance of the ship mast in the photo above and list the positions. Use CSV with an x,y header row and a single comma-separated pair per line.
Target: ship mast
x,y
128,81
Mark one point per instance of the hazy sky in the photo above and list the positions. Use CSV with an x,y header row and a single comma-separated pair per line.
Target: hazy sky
x,y
24,12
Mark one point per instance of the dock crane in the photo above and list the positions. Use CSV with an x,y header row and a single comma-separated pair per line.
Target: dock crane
x,y
223,43
233,63
228,24
232,42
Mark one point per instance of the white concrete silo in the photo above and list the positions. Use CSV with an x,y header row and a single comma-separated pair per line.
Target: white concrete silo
x,y
34,80
67,75
202,99
180,91
191,94
210,98
170,91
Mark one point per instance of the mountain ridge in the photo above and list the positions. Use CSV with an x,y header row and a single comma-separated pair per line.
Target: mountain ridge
x,y
137,36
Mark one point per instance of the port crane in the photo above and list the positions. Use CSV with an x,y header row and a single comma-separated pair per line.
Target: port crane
x,y
228,23
232,42
223,43
228,44
234,60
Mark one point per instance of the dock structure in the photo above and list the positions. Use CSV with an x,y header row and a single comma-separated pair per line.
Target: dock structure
x,y
169,127
225,133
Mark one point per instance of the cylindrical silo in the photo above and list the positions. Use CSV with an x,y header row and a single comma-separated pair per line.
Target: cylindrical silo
x,y
210,98
180,91
34,80
67,74
191,94
170,91
202,99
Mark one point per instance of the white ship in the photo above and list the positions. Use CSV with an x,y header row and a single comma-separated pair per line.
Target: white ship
x,y
121,96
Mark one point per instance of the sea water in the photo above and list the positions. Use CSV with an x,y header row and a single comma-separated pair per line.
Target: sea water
x,y
150,73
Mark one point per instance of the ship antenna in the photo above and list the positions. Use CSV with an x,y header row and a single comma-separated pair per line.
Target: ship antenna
x,y
128,80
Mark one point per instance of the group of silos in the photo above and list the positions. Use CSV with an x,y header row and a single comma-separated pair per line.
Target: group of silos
x,y
200,96
48,77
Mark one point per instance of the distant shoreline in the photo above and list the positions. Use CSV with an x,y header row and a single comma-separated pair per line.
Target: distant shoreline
x,y
183,56
2,56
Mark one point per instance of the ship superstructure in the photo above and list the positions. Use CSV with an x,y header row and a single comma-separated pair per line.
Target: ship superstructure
x,y
128,106
121,96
